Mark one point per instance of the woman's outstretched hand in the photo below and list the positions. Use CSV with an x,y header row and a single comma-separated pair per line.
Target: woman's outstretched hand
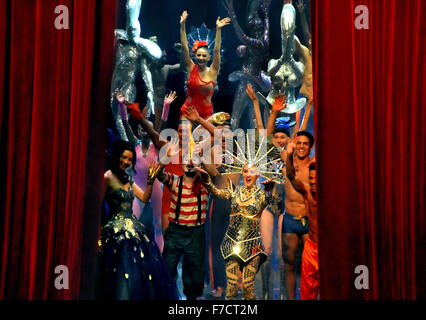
x,y
153,170
221,23
169,98
183,17
191,113
279,103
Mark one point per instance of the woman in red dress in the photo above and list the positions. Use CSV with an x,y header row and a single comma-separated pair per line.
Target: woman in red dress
x,y
201,81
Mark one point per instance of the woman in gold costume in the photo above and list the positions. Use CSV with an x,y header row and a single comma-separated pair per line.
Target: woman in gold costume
x,y
242,247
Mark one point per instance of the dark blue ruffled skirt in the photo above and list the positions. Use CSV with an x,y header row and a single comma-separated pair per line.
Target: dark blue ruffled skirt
x,y
133,269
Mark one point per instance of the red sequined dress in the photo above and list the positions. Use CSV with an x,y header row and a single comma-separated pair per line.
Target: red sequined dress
x,y
198,94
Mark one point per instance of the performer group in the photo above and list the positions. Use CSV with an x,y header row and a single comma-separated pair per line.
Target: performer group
x,y
205,194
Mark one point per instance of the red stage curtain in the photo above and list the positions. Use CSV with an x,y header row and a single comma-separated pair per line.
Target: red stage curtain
x,y
370,146
53,95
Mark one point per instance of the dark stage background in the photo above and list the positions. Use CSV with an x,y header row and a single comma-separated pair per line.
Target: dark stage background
x,y
54,105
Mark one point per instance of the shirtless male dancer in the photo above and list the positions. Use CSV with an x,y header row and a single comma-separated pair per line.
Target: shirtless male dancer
x,y
309,278
295,219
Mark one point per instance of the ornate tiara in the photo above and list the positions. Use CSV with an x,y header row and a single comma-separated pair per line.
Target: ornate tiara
x,y
257,152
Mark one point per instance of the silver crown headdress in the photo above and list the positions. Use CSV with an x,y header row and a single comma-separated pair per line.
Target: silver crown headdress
x,y
257,152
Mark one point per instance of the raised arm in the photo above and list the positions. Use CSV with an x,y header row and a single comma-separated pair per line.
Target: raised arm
x,y
215,66
165,178
184,41
265,8
210,168
307,114
291,172
306,33
252,95
220,193
172,69
144,196
276,107
133,140
178,48
229,6
192,114
168,99
133,109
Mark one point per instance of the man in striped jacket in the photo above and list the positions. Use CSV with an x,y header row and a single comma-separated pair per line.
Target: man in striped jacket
x,y
185,235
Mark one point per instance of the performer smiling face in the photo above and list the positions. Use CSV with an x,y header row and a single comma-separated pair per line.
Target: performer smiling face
x,y
123,156
302,146
190,169
126,159
250,175
202,56
280,139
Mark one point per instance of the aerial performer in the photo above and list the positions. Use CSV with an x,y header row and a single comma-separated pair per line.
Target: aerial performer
x,y
286,73
202,78
254,52
306,90
133,55
304,22
160,71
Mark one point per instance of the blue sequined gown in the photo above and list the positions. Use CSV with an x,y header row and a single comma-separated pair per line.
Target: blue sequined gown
x,y
132,266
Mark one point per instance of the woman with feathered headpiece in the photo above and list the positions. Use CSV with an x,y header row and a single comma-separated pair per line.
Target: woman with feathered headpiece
x,y
202,78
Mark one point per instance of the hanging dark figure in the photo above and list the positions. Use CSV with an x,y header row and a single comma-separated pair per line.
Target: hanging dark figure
x,y
255,54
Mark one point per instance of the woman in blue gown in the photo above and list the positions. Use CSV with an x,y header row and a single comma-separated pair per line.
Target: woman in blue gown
x,y
132,266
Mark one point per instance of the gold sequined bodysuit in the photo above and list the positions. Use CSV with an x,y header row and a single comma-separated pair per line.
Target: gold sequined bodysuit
x,y
242,239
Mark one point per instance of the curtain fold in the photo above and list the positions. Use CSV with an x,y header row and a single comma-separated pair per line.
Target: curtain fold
x,y
54,95
370,147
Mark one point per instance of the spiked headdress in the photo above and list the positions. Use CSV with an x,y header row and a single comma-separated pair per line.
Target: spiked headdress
x,y
255,150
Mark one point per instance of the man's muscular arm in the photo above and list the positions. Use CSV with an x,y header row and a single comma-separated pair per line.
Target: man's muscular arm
x,y
291,172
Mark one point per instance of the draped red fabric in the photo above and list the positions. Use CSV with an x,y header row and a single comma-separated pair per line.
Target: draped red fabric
x,y
370,147
53,92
